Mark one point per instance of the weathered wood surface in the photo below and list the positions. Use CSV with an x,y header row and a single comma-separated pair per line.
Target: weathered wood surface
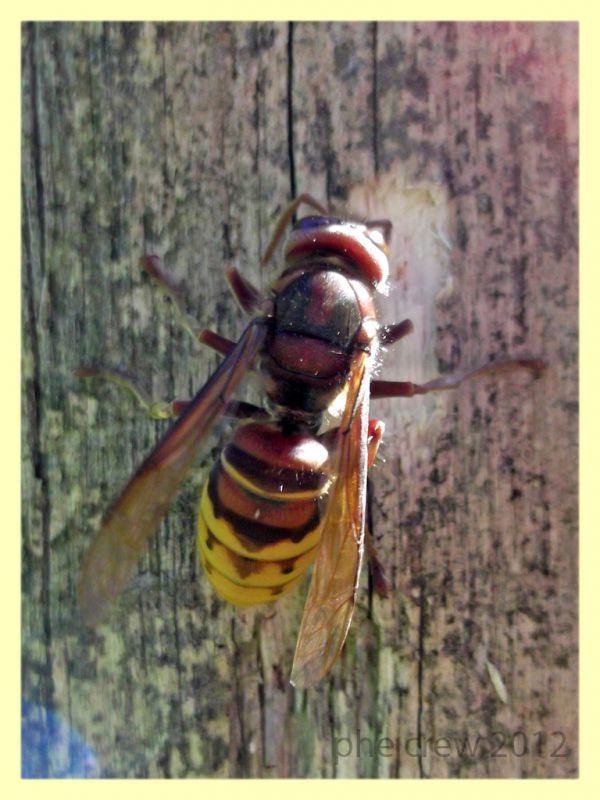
x,y
185,140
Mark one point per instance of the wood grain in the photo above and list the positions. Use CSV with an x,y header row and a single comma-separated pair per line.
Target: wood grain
x,y
185,140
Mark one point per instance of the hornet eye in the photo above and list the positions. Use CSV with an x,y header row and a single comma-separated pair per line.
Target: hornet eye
x,y
316,221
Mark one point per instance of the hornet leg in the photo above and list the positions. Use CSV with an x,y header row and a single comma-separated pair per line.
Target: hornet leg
x,y
409,389
374,437
169,409
154,267
249,298
155,409
381,585
390,334
376,568
216,341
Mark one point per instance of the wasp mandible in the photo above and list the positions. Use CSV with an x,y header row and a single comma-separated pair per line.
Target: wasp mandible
x,y
287,491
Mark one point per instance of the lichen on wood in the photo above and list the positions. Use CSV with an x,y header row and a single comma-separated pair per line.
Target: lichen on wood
x,y
186,140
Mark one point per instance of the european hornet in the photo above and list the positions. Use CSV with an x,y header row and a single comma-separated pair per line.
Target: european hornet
x,y
286,491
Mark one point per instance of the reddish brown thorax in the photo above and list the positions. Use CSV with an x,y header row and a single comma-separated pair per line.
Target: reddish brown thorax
x,y
323,311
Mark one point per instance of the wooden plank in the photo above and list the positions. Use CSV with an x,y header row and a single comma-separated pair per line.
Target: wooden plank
x,y
185,140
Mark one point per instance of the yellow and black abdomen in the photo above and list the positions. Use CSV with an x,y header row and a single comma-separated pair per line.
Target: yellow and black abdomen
x,y
260,513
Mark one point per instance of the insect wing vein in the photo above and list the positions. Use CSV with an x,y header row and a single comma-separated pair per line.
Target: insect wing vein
x,y
133,518
332,594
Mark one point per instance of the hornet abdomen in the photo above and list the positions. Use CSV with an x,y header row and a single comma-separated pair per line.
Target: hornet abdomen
x,y
260,512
